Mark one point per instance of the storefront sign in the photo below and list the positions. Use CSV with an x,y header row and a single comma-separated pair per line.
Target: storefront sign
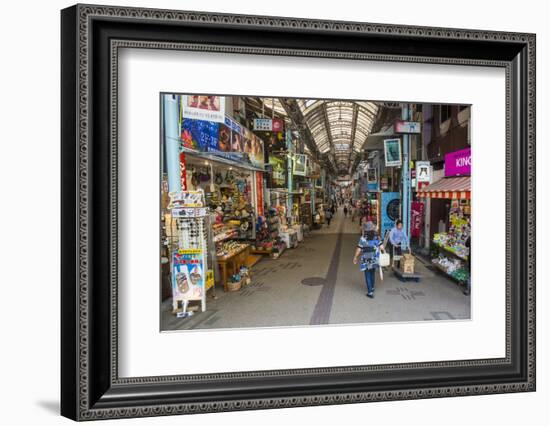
x,y
203,107
417,218
458,163
401,126
268,124
392,152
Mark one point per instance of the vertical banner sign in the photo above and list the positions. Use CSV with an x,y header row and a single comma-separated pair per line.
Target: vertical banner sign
x,y
389,210
183,171
259,193
417,218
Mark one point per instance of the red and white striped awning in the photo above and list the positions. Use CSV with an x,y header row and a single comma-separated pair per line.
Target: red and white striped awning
x,y
450,187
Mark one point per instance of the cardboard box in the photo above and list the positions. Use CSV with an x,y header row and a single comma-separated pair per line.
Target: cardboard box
x,y
407,264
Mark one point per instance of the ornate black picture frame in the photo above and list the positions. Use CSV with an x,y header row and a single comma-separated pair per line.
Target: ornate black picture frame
x,y
91,37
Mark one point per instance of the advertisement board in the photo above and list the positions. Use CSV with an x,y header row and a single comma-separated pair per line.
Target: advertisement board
x,y
203,107
187,274
199,135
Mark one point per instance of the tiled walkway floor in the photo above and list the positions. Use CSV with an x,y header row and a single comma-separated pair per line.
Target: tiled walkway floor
x,y
317,283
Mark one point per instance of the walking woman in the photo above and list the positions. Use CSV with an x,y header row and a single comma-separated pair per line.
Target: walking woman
x,y
368,251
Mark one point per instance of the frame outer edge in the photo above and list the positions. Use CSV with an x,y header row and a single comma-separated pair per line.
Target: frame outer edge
x,y
80,319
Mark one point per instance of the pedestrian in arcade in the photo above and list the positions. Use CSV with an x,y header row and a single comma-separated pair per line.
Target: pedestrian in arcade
x,y
345,211
368,252
398,239
328,216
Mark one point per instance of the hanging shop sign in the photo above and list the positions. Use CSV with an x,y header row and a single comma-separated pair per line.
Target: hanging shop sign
x,y
423,174
299,167
406,127
259,193
417,218
390,207
458,163
268,124
392,152
203,107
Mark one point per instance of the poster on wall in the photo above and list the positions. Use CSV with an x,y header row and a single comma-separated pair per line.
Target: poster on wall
x,y
203,107
392,152
256,151
187,274
199,135
423,174
300,165
224,140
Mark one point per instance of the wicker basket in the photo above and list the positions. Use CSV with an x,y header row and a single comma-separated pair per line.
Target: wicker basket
x,y
233,286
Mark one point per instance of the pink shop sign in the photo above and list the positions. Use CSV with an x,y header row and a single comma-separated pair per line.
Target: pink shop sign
x,y
458,163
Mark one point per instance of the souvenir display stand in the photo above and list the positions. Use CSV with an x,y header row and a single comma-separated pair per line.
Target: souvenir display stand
x,y
188,261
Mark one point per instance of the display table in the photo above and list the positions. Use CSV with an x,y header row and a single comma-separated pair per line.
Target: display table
x,y
232,263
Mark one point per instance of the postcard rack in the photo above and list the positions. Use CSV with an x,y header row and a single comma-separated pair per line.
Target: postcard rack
x,y
188,261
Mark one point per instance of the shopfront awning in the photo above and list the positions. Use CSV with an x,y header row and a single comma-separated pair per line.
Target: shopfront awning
x,y
450,188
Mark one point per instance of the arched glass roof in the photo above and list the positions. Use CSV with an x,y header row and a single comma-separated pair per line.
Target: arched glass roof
x,y
339,128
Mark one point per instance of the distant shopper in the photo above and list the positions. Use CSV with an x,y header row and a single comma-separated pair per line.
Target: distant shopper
x,y
368,225
368,252
328,216
398,239
346,210
353,213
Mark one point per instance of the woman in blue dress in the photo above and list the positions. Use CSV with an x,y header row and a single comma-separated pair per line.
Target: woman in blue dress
x,y
368,251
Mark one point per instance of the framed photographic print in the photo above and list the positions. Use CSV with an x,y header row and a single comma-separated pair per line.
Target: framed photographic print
x,y
222,248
